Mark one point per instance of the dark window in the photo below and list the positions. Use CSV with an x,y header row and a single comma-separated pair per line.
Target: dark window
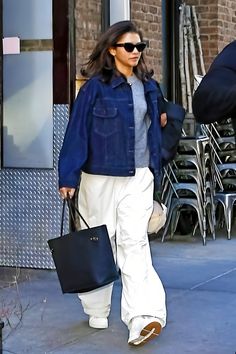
x,y
170,45
63,51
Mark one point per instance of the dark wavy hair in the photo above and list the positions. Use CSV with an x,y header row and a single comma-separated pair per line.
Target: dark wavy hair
x,y
101,62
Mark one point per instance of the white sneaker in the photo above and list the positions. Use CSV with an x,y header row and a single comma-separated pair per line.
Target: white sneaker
x,y
98,322
143,329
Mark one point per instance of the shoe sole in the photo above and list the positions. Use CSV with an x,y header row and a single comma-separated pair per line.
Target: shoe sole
x,y
149,332
98,327
95,325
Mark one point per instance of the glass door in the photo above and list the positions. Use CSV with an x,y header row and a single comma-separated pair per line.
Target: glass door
x,y
0,80
27,68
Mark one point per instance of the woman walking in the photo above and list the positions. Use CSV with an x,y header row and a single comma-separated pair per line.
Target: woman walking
x,y
111,152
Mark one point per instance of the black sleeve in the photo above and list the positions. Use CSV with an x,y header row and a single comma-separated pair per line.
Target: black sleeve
x,y
215,97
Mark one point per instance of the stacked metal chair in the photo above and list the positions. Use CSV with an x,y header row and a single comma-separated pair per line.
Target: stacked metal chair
x,y
189,180
226,191
202,178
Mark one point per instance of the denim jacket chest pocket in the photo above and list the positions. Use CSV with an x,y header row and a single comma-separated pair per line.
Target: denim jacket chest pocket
x,y
106,120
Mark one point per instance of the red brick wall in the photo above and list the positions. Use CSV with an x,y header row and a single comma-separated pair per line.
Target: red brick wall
x,y
217,21
147,16
226,22
88,29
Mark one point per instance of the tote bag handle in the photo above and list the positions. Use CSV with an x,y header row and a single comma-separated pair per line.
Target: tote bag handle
x,y
68,201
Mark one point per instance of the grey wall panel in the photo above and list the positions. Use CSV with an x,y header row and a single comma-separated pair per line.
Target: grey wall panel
x,y
27,19
30,208
27,110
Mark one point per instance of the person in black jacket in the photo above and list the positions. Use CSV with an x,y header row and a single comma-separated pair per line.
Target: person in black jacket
x,y
215,97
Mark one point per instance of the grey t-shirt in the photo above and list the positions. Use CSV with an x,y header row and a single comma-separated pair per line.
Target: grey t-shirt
x,y
141,121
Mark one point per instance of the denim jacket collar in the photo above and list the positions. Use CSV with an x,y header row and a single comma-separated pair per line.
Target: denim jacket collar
x,y
149,85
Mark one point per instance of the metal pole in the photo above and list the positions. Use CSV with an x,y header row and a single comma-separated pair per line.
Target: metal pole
x,y
71,52
1,327
165,49
175,86
1,81
105,19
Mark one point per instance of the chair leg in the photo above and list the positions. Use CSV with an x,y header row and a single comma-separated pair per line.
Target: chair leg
x,y
167,223
211,222
202,226
195,227
229,217
174,222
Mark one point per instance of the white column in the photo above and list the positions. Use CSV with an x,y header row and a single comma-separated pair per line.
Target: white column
x,y
119,10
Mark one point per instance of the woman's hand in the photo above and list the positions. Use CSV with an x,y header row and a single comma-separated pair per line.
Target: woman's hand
x,y
163,119
66,192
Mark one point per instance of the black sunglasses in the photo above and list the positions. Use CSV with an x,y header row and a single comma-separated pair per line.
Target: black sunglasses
x,y
129,47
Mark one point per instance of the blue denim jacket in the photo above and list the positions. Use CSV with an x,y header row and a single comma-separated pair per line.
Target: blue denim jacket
x,y
100,134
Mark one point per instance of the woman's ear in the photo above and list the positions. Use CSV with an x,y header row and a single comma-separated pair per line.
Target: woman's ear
x,y
112,51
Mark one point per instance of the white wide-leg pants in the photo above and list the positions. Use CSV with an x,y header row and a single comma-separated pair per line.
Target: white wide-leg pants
x,y
124,204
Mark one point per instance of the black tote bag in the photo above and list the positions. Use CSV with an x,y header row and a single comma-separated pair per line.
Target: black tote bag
x,y
83,259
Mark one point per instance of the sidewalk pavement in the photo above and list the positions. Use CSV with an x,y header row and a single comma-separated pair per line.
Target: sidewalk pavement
x,y
200,283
